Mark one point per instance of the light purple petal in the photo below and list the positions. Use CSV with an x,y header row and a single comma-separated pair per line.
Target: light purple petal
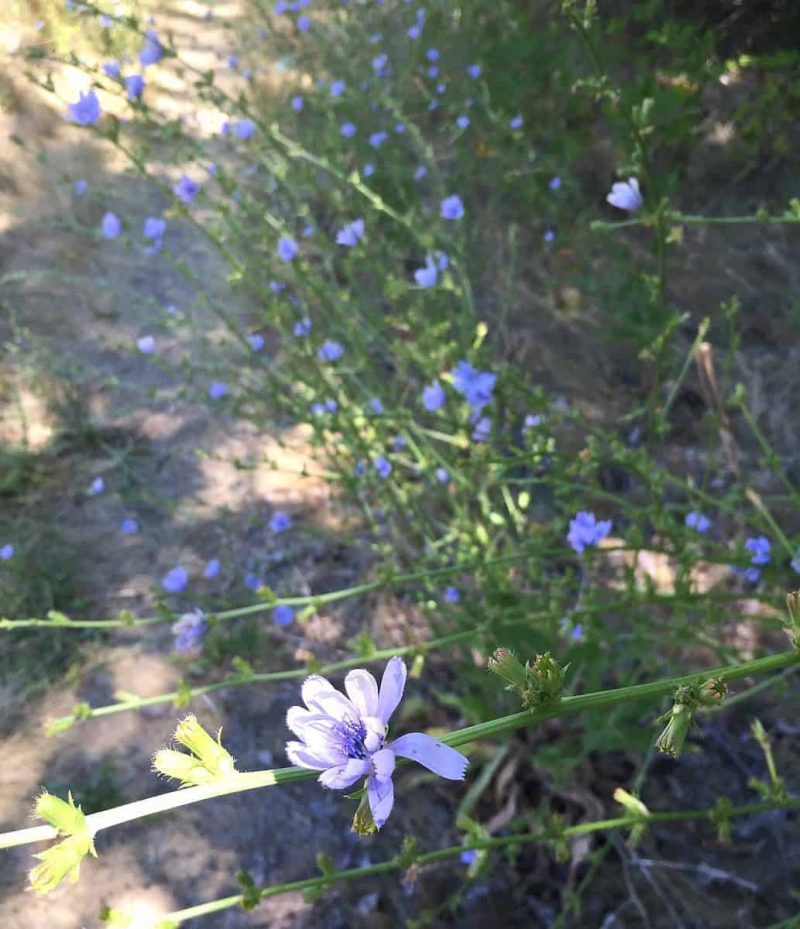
x,y
344,775
435,756
376,733
383,763
304,722
392,684
381,799
362,690
320,696
303,757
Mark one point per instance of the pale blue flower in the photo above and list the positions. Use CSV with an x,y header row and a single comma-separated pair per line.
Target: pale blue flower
x,y
7,552
280,522
554,183
134,85
244,129
350,234
154,227
337,88
452,207
297,103
462,122
283,614
475,386
382,465
586,531
151,51
549,235
256,341
186,189
175,580
97,486
110,227
482,430
345,737
369,169
625,195
287,248
697,521
442,476
302,328
189,631
330,351
211,569
378,138
80,187
129,526
146,344
516,122
217,390
474,71
252,581
86,109
376,406
427,276
451,595
414,32
420,173
432,54
111,69
303,23
433,397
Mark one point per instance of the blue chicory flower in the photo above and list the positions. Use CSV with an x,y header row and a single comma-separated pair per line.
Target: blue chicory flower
x,y
475,386
586,531
80,187
283,614
554,183
462,122
252,581
175,580
427,276
97,486
189,631
442,476
474,71
298,103
433,397
347,130
211,569
85,111
697,521
369,169
330,351
452,208
383,466
420,173
146,344
482,430
378,138
344,737
186,189
7,552
111,68
244,129
451,595
217,390
350,234
129,526
134,85
154,227
303,25
152,51
256,341
302,328
376,406
287,248
337,88
516,122
625,195
110,226
280,522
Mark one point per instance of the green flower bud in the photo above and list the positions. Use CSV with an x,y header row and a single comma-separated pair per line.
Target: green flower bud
x,y
363,823
672,739
63,815
505,665
208,761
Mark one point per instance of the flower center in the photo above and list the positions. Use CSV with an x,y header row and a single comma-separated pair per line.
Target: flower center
x,y
354,734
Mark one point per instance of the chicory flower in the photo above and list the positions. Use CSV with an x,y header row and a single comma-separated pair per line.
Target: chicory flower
x,y
344,737
625,195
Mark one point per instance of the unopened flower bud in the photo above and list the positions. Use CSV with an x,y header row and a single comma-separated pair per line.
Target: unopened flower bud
x,y
363,823
672,739
505,665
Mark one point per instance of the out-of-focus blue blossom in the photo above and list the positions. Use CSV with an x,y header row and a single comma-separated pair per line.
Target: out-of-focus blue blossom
x,y
760,548
482,430
452,207
382,465
112,68
379,63
7,552
152,50
420,173
795,562
110,226
586,531
697,521
369,169
399,443
85,111
211,569
252,581
134,85
244,129
146,344
80,187
350,234
97,486
376,406
625,195
474,71
378,138
287,248
433,397
283,614
256,341
427,276
298,103
468,856
549,235
414,32
532,421
303,23
442,476
337,88
129,526
462,122
217,390
432,54
400,128
554,183
189,631
186,189
154,227
175,580
451,595
320,409
475,386
360,468
280,522
516,122
330,351
302,328
433,71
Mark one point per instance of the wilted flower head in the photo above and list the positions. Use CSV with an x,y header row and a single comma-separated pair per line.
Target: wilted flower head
x,y
586,531
452,207
186,189
626,195
189,631
86,109
475,386
345,737
175,580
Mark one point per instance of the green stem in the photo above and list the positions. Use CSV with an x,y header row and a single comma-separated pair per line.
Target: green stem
x,y
258,779
601,225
